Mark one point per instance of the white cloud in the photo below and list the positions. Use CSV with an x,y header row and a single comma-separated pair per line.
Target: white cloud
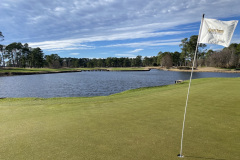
x,y
59,9
169,42
72,24
5,5
77,43
126,55
109,16
136,50
74,54
61,45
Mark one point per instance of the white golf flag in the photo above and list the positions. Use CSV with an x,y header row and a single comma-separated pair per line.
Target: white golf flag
x,y
217,32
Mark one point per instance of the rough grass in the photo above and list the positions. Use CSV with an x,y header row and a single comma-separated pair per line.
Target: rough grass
x,y
140,124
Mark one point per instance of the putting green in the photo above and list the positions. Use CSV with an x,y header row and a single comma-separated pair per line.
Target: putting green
x,y
140,124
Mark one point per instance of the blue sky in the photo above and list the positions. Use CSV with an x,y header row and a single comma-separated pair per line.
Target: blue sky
x,y
110,28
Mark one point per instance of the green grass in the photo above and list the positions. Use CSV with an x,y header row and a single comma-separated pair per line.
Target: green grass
x,y
141,124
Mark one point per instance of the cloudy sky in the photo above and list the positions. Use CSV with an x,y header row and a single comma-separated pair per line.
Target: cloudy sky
x,y
109,28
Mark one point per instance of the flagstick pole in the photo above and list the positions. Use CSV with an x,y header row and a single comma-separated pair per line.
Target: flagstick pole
x,y
180,155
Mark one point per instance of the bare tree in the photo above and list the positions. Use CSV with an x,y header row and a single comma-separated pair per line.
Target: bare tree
x,y
167,61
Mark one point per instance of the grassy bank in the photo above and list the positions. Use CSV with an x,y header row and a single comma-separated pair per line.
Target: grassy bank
x,y
141,124
21,71
129,69
13,69
27,71
117,69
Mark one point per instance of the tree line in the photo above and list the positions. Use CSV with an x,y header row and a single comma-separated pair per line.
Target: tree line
x,y
228,57
21,55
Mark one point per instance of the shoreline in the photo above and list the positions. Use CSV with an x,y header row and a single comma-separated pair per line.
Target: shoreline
x,y
3,74
14,71
199,69
203,69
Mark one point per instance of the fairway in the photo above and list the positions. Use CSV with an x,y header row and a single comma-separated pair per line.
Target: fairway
x,y
140,124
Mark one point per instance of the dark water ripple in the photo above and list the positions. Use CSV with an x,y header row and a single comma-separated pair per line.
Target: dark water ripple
x,y
86,84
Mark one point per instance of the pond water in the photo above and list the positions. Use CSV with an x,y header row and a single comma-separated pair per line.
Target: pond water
x,y
94,83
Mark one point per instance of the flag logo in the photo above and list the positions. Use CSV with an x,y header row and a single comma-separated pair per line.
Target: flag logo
x,y
217,32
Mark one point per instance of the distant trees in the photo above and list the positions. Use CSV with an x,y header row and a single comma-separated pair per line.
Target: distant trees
x,y
36,58
13,54
169,59
19,55
53,61
229,57
150,61
176,57
188,47
112,62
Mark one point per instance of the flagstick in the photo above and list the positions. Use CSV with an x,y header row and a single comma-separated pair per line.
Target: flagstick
x,y
180,155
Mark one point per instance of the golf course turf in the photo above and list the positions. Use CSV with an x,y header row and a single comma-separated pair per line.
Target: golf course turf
x,y
139,124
